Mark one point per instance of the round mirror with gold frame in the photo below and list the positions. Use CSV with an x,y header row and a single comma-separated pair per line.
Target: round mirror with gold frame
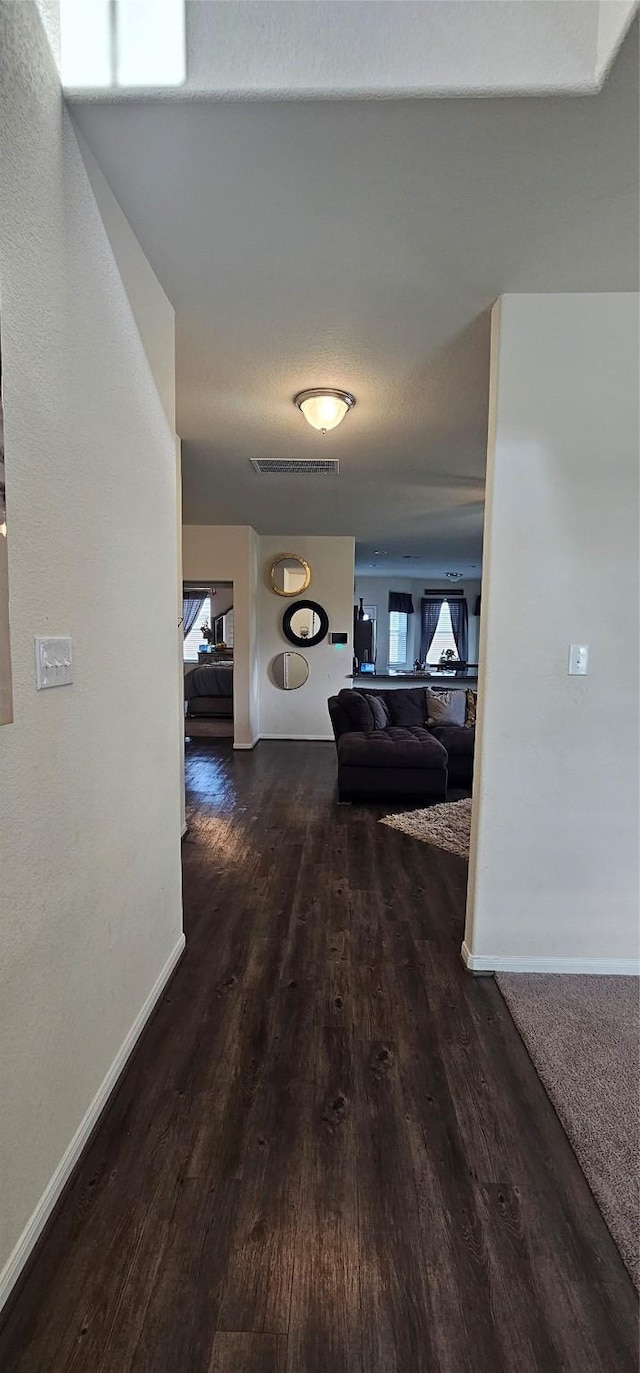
x,y
290,574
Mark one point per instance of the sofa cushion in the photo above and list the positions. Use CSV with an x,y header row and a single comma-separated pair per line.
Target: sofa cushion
x,y
395,747
357,709
446,707
408,707
379,710
457,739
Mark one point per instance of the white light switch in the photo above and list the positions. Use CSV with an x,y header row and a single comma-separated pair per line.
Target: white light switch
x,y
54,663
578,660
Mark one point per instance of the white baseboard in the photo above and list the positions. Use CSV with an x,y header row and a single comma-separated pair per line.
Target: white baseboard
x,y
604,967
34,1227
248,746
297,738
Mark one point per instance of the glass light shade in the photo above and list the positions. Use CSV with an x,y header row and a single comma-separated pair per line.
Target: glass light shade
x,y
324,410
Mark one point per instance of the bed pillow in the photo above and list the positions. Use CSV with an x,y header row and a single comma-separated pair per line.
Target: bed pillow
x,y
357,709
446,707
407,707
472,705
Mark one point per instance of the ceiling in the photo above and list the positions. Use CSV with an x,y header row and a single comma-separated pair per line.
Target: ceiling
x,y
361,244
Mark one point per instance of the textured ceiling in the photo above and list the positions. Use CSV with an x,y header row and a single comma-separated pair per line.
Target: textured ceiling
x,y
361,245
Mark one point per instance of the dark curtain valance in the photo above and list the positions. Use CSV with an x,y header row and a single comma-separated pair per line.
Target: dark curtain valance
x,y
402,601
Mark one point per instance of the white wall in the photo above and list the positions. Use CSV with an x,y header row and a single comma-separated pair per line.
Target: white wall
x,y
218,552
303,714
155,321
555,874
375,591
89,842
153,313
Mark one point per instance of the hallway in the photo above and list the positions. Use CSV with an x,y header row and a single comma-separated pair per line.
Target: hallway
x,y
330,1151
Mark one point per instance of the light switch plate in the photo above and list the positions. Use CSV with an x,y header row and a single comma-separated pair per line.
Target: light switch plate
x,y
578,660
54,663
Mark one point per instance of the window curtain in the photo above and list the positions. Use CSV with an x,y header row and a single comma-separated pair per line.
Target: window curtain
x,y
460,625
192,603
400,601
430,607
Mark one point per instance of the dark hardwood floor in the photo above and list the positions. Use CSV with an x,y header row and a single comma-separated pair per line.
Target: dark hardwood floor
x,y
330,1151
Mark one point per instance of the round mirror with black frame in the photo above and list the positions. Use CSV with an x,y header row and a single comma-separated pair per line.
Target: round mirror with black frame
x,y
305,623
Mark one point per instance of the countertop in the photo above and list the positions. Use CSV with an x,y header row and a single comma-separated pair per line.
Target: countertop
x,y
466,674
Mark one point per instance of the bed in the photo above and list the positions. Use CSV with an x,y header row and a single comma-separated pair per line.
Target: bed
x,y
208,690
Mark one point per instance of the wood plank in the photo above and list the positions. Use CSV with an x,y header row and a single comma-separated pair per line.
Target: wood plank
x,y
397,1329
326,1272
180,1321
245,1353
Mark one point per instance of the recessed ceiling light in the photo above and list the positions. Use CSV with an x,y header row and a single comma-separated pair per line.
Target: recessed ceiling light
x,y
323,407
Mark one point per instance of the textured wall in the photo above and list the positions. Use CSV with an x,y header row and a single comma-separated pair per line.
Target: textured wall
x,y
89,842
556,787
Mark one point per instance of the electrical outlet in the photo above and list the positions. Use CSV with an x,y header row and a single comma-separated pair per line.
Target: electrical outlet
x,y
578,660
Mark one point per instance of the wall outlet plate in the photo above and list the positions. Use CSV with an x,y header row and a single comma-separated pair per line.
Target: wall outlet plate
x,y
54,663
578,660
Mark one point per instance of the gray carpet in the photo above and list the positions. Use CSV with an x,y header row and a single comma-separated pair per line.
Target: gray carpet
x,y
583,1034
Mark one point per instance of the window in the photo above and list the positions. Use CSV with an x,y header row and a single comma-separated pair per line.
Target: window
x,y
194,638
398,635
122,43
443,638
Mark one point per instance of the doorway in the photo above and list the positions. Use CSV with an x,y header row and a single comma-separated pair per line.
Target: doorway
x,y
208,659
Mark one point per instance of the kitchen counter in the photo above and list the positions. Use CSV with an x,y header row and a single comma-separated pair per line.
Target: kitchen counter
x,y
467,676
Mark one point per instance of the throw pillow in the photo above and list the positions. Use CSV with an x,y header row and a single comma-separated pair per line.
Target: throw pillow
x,y
446,707
379,711
407,708
472,702
357,709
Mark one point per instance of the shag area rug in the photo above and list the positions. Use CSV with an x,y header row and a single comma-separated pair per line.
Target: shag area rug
x,y
582,1034
447,825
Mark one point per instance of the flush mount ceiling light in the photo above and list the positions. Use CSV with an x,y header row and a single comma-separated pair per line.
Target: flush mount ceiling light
x,y
453,576
323,407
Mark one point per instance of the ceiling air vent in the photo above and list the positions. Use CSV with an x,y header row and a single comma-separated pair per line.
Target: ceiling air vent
x,y
295,467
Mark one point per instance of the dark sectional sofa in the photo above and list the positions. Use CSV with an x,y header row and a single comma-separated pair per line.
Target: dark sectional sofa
x,y
387,750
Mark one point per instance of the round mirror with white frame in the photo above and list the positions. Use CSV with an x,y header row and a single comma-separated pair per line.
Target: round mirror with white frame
x,y
289,671
290,574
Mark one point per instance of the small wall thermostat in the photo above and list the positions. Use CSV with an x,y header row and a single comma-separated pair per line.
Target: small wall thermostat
x,y
339,638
